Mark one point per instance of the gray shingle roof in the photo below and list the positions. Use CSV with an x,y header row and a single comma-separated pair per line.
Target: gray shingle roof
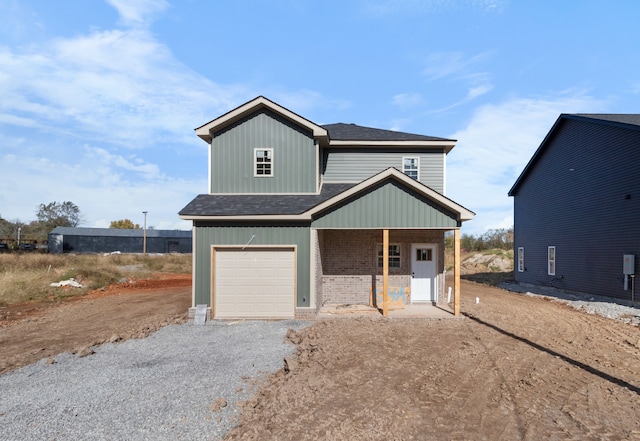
x,y
625,118
352,132
259,204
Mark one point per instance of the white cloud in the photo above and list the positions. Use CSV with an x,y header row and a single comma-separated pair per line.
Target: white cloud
x,y
104,158
456,66
80,116
138,12
110,89
407,100
385,8
119,86
494,147
104,186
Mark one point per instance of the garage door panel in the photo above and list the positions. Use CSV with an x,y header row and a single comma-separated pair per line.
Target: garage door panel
x,y
254,283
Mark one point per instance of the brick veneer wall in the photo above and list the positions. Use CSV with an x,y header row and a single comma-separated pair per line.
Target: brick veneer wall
x,y
348,261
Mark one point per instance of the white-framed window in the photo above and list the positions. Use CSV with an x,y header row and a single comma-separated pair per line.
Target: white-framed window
x,y
411,167
520,259
551,261
394,255
262,162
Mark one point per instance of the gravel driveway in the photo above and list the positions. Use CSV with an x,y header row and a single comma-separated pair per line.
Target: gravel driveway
x,y
169,385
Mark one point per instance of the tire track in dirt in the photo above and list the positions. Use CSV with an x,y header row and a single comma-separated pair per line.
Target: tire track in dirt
x,y
591,351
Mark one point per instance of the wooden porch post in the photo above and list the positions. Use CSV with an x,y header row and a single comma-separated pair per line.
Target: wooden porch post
x,y
456,272
385,272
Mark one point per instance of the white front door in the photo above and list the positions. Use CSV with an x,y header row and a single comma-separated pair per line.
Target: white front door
x,y
423,273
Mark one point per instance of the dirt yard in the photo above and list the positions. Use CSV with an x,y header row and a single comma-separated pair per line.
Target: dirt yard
x,y
35,330
514,367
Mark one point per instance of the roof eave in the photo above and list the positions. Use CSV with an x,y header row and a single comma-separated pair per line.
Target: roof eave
x,y
446,145
262,217
204,131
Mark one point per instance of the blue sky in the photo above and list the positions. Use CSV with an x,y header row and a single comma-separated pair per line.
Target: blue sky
x,y
99,99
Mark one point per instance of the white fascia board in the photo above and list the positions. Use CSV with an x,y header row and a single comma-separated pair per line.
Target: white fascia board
x,y
204,131
446,145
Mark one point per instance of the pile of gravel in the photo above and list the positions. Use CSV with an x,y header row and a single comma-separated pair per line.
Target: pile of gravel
x,y
182,382
612,308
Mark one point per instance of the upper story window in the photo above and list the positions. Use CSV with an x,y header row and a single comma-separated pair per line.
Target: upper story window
x,y
410,166
263,162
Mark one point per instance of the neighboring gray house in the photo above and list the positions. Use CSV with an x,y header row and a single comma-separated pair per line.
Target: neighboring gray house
x,y
577,207
107,240
298,215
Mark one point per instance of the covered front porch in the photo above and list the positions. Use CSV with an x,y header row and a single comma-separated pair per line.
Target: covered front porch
x,y
397,272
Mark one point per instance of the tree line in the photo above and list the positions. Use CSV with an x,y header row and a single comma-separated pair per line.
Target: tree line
x,y
492,239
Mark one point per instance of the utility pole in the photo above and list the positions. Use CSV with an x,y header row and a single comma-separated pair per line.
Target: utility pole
x,y
144,240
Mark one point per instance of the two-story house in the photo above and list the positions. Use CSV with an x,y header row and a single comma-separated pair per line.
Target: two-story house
x,y
576,207
298,215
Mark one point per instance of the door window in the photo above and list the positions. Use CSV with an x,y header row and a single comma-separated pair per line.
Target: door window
x,y
424,254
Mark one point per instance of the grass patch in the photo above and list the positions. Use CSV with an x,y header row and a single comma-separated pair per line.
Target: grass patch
x,y
26,277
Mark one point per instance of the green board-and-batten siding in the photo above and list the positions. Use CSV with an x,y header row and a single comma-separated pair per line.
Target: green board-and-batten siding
x,y
388,205
208,234
295,159
356,165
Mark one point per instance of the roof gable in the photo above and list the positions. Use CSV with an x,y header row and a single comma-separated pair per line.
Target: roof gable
x,y
252,106
462,213
627,121
388,204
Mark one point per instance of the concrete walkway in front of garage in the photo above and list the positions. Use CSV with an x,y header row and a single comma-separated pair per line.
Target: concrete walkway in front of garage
x,y
413,310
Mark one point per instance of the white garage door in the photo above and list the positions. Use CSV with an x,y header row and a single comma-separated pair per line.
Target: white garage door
x,y
254,283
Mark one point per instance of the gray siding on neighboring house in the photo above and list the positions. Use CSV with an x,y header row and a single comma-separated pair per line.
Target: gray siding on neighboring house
x,y
388,205
294,156
582,195
208,234
107,240
358,164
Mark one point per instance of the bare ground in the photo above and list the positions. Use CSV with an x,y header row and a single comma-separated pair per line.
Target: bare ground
x,y
35,330
514,367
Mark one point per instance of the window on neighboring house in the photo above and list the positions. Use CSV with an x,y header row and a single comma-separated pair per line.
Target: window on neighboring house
x,y
263,162
551,261
410,166
520,259
394,256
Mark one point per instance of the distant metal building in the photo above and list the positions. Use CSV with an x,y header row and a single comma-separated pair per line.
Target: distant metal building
x,y
107,240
